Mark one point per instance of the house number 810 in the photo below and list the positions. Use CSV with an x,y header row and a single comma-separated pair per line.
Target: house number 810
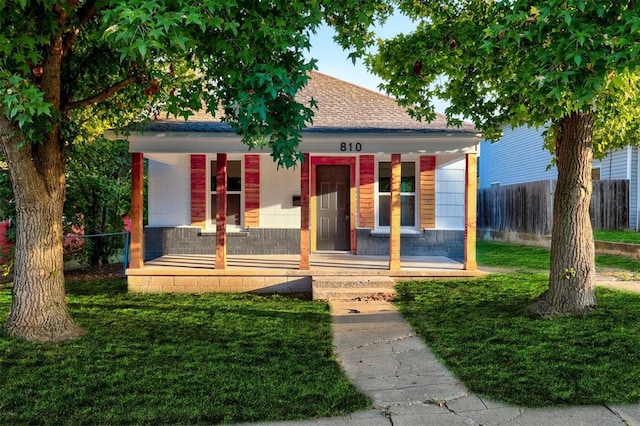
x,y
351,147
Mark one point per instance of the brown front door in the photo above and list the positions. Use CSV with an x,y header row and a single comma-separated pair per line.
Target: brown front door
x,y
332,193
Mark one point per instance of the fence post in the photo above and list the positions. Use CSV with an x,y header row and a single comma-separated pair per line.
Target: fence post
x,y
125,260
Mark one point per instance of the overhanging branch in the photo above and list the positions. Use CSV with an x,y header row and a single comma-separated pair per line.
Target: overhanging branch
x,y
105,94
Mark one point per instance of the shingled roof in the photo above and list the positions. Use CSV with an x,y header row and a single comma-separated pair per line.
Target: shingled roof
x,y
342,107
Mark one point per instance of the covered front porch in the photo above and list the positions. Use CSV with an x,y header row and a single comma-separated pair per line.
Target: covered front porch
x,y
352,274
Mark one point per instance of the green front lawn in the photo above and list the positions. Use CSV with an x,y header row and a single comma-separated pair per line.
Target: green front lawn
x,y
530,259
628,236
479,328
176,359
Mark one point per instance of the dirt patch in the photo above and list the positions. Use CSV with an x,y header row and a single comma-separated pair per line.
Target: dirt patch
x,y
113,270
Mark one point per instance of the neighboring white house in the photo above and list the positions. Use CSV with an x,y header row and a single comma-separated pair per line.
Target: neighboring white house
x,y
520,157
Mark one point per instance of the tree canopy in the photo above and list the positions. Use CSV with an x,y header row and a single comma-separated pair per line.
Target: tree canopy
x,y
519,62
241,60
70,68
571,66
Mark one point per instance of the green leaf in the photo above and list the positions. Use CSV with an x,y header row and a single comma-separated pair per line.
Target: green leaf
x,y
142,48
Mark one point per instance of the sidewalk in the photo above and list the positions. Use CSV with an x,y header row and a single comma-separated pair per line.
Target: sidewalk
x,y
387,361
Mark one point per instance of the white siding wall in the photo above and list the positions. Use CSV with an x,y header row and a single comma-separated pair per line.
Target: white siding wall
x,y
169,183
450,186
277,188
518,157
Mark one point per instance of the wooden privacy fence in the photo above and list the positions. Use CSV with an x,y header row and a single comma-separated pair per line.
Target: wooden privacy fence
x,y
528,207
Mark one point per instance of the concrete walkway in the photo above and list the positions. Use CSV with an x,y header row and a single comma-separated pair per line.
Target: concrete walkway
x,y
387,361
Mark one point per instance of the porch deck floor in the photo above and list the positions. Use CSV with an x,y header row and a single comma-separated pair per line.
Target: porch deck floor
x,y
322,264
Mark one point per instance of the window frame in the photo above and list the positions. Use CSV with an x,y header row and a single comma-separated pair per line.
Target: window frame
x,y
416,195
211,221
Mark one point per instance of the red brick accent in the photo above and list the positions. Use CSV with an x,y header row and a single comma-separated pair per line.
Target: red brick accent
x,y
427,192
198,190
367,184
252,190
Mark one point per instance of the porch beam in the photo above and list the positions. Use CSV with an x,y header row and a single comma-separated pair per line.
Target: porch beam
x,y
395,204
470,206
221,212
136,255
304,213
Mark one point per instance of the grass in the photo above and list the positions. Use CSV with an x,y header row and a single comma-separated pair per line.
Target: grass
x,y
478,327
176,359
522,258
628,236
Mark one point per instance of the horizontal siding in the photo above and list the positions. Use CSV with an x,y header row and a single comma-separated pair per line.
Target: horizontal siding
x,y
614,166
518,157
633,189
277,188
450,189
169,189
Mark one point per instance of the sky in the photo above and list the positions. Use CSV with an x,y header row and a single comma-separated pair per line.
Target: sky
x,y
333,61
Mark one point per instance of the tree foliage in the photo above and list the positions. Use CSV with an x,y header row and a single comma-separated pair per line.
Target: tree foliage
x,y
519,62
241,60
70,68
568,65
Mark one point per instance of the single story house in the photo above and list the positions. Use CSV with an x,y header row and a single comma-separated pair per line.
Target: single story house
x,y
520,157
374,182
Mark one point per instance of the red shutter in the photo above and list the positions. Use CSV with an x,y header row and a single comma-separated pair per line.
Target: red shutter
x,y
198,190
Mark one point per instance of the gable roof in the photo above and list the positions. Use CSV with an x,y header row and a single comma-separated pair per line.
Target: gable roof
x,y
342,107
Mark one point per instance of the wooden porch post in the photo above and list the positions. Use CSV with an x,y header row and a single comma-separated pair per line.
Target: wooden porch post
x,y
395,203
221,212
136,259
304,213
470,205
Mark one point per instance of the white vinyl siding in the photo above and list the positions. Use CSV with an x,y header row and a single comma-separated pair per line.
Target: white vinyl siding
x,y
450,189
277,188
169,190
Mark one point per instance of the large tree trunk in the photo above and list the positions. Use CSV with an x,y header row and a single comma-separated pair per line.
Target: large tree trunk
x,y
39,310
572,274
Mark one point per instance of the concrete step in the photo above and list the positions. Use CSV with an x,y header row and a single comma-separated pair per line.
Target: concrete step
x,y
345,288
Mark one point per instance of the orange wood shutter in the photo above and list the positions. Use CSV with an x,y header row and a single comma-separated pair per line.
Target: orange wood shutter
x,y
137,206
251,190
198,190
367,181
304,212
395,204
427,192
470,205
